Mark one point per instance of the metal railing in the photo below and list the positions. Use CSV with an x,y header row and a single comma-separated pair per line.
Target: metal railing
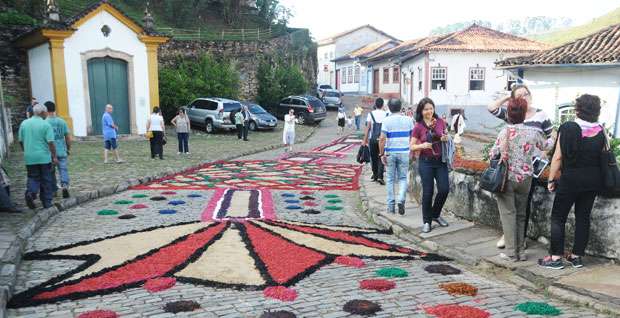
x,y
222,35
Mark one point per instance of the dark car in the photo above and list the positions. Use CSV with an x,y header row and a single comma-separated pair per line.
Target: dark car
x,y
260,118
308,109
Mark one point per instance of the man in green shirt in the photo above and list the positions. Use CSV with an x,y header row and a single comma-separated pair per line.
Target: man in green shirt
x,y
36,138
62,141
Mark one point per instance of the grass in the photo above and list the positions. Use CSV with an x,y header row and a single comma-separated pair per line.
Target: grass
x,y
567,35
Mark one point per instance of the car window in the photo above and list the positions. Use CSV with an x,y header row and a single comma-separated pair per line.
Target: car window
x,y
200,104
298,102
255,109
325,87
332,94
315,102
229,107
211,105
286,101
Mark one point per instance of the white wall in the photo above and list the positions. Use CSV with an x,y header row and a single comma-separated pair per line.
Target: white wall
x,y
89,37
552,87
325,55
385,88
40,67
356,40
360,86
415,65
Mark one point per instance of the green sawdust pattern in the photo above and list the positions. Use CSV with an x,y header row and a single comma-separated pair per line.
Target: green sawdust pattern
x,y
392,272
333,208
331,196
536,308
137,196
334,201
123,202
107,212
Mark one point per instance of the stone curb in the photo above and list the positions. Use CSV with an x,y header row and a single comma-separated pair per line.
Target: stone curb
x,y
523,279
11,260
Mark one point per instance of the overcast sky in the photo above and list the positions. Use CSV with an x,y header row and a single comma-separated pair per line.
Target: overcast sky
x,y
408,19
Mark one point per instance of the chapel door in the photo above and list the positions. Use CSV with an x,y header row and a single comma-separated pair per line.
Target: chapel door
x,y
375,82
107,84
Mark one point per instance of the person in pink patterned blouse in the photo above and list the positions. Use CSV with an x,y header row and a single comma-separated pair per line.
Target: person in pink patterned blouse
x,y
518,145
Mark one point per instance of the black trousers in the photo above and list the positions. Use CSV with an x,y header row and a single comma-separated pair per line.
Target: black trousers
x,y
246,128
239,131
583,202
375,160
433,171
157,144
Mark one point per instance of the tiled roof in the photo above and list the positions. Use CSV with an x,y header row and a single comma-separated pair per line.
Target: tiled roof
x,y
600,47
368,50
334,37
403,49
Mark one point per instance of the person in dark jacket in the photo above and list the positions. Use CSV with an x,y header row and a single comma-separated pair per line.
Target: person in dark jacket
x,y
575,177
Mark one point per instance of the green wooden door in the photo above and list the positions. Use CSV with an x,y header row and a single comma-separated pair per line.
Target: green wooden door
x,y
107,84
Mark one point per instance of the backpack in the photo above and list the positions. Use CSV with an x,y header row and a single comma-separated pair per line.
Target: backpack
x,y
376,128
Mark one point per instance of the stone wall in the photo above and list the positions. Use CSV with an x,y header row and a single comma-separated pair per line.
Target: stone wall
x,y
246,55
468,201
14,72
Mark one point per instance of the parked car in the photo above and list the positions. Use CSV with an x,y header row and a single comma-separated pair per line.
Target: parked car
x,y
332,98
308,109
260,118
213,113
321,88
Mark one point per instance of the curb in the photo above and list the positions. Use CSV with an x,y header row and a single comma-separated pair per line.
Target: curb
x,y
11,260
523,279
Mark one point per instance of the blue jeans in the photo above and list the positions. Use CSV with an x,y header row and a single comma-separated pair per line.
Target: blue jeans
x,y
40,179
397,168
183,142
358,120
431,171
63,171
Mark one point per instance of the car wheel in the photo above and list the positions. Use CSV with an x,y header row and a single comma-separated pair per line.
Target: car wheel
x,y
209,126
253,126
302,119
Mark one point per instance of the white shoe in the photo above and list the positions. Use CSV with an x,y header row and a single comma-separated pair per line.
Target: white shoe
x,y
501,243
178,153
188,153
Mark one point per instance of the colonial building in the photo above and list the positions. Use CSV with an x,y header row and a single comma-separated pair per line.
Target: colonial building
x,y
352,69
558,75
96,57
341,44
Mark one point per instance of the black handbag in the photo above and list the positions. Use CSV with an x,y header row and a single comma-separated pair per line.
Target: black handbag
x,y
493,178
610,171
363,154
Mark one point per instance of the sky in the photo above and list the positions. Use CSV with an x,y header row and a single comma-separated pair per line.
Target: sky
x,y
409,19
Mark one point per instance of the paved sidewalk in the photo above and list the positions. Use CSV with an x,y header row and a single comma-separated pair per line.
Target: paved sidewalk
x,y
596,285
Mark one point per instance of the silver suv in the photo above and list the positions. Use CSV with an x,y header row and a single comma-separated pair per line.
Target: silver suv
x,y
213,113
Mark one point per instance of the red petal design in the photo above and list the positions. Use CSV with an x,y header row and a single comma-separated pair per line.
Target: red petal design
x,y
310,203
350,261
98,314
456,311
159,284
154,265
280,292
283,259
377,284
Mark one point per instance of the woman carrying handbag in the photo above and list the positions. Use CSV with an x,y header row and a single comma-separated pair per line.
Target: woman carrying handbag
x,y
517,145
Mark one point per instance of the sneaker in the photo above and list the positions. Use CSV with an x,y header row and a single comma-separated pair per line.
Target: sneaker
x,y
188,153
441,221
381,182
30,201
576,261
501,243
120,161
65,193
508,258
401,208
178,153
426,227
548,262
373,179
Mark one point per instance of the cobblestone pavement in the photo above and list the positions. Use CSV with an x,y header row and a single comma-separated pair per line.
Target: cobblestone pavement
x,y
322,293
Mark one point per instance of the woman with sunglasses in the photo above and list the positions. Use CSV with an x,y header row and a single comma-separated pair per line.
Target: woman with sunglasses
x,y
534,118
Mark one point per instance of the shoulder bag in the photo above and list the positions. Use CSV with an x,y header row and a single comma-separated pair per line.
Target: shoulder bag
x,y
609,170
493,179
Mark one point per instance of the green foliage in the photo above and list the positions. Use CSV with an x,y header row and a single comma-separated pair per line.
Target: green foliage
x,y
12,17
277,80
187,79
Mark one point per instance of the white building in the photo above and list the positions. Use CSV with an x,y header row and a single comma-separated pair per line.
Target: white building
x,y
352,68
97,57
341,44
557,76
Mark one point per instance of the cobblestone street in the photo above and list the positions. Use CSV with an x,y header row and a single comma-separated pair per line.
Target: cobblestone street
x,y
269,232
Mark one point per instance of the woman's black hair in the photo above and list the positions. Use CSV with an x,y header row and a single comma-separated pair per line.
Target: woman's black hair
x,y
588,107
420,108
155,110
379,103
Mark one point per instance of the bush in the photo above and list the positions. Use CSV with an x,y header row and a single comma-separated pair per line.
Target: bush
x,y
12,17
188,79
277,80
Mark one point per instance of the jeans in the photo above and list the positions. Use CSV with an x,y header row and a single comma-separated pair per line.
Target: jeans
x,y
358,120
63,171
433,170
183,142
375,160
40,179
5,199
562,205
397,169
512,204
157,147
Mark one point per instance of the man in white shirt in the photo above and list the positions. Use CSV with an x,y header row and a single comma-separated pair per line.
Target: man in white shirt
x,y
371,139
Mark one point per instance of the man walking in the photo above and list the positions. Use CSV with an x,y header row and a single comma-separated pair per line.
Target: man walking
x,y
239,120
371,139
36,138
33,101
246,121
62,141
357,112
109,135
394,147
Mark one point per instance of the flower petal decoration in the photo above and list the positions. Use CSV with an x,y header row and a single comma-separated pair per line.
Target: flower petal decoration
x,y
361,307
442,269
538,308
377,284
176,307
459,289
107,212
280,293
159,284
392,272
456,311
278,314
99,314
138,206
252,254
350,261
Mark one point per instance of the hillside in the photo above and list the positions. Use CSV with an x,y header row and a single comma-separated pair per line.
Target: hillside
x,y
573,33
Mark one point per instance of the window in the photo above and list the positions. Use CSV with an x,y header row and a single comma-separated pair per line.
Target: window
x,y
419,79
476,79
200,104
386,76
350,74
343,75
438,78
512,80
356,75
566,113
298,102
395,74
